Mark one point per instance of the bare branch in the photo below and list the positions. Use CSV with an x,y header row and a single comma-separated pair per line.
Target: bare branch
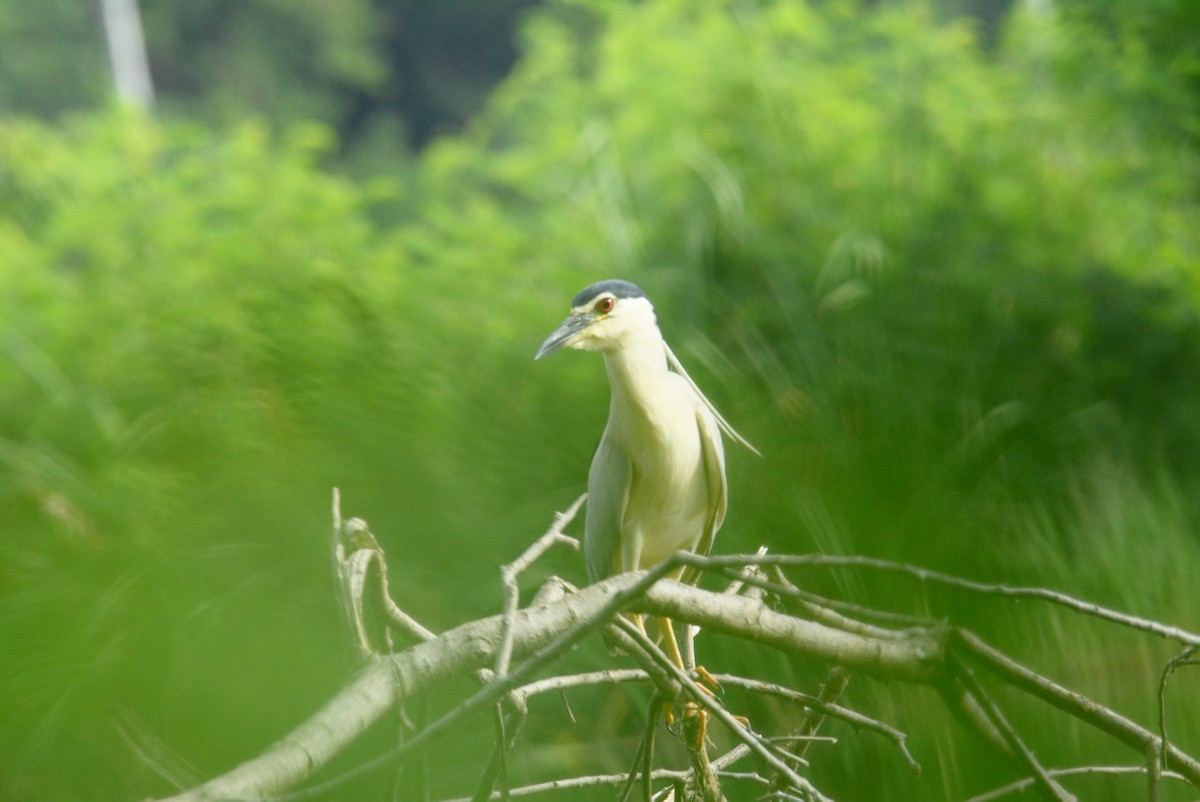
x,y
914,655
497,766
543,632
751,739
1050,788
643,760
525,641
965,707
383,681
614,780
1154,770
830,691
617,635
1024,784
508,725
1076,704
748,572
925,575
1184,658
353,571
561,683
510,572
851,717
831,612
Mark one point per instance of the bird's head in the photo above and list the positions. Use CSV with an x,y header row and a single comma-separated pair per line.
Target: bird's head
x,y
603,317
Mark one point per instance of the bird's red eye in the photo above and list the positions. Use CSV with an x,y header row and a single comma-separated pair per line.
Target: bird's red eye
x,y
605,305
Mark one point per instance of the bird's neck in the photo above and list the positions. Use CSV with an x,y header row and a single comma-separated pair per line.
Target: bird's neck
x,y
635,376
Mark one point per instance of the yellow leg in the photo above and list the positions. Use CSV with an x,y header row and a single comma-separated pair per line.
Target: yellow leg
x,y
692,711
639,621
670,644
695,717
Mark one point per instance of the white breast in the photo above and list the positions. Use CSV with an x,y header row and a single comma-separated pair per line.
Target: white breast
x,y
668,493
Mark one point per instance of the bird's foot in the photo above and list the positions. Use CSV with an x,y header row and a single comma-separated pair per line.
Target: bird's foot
x,y
695,724
707,682
691,714
712,687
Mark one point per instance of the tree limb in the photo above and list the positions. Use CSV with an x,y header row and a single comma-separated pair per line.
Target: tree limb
x,y
926,575
1076,704
538,634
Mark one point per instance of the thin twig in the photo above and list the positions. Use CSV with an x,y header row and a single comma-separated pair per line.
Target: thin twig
x,y
831,690
1154,771
397,617
926,575
648,751
497,768
966,709
615,634
729,758
600,780
643,759
501,685
510,572
612,677
740,582
1184,658
151,751
1024,754
834,613
1076,704
354,569
335,542
851,717
492,691
787,739
1023,784
742,733
508,726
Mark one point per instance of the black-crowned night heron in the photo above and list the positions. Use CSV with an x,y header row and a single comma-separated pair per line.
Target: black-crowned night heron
x,y
657,483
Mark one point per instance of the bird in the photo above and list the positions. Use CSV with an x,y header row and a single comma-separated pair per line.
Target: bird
x,y
657,481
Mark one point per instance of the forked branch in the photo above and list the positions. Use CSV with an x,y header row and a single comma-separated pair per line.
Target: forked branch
x,y
521,643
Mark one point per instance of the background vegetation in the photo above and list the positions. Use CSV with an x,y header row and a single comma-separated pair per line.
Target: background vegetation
x,y
943,272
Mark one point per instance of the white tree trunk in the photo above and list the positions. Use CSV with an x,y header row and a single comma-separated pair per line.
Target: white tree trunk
x,y
127,52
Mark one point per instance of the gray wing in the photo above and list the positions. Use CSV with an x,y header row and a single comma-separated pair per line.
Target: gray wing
x,y
608,495
712,451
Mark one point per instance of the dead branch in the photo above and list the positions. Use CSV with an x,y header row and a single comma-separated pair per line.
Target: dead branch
x,y
1023,784
823,706
509,574
742,732
1076,704
1016,745
1184,658
612,780
1166,631
519,643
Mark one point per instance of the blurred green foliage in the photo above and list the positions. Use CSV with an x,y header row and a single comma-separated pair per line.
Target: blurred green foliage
x,y
949,292
385,75
53,57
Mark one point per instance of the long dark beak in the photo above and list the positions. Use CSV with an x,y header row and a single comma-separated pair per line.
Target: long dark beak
x,y
564,333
